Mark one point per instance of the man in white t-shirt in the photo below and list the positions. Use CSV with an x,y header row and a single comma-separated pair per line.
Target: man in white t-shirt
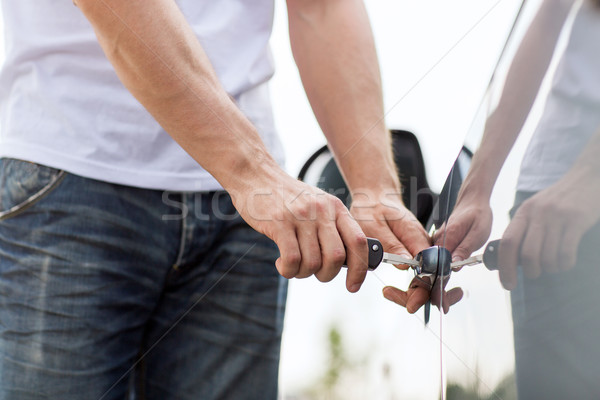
x,y
132,134
554,234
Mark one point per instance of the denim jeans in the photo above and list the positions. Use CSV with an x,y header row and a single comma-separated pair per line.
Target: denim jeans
x,y
557,327
114,292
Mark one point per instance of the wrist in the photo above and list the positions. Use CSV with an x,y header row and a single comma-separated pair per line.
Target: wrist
x,y
246,172
376,178
476,189
481,179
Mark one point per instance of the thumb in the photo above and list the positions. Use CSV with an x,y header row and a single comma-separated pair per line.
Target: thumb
x,y
461,252
473,240
453,232
391,244
399,249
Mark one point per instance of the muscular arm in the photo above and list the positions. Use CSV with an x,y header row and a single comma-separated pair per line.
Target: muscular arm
x,y
334,49
160,61
335,53
158,58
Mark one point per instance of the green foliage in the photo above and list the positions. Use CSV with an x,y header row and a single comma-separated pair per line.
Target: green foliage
x,y
506,390
337,360
340,372
338,367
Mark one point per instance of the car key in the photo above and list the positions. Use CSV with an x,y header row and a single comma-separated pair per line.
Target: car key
x,y
378,256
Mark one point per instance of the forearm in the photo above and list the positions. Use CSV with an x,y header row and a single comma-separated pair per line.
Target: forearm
x,y
159,59
334,49
523,81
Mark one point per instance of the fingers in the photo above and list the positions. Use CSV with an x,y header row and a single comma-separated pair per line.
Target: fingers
x,y
321,251
333,253
356,250
310,260
531,251
567,254
411,300
538,242
466,231
474,239
452,297
417,296
549,256
288,264
410,235
508,253
395,295
391,244
452,233
315,234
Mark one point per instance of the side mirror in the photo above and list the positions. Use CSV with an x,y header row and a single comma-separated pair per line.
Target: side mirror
x,y
320,170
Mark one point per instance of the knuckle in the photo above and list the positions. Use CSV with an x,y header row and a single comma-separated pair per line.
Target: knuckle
x,y
462,251
362,271
359,271
286,271
312,265
325,277
527,258
544,209
526,207
453,230
508,243
279,215
339,204
292,259
338,255
360,239
339,207
321,206
301,212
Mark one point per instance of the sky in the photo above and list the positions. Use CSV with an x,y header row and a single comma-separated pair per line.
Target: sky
x,y
436,60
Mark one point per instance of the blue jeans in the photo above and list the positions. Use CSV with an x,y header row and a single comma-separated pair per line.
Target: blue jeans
x,y
114,292
557,327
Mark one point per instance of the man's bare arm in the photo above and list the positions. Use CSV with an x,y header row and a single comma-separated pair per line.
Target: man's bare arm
x,y
158,58
334,49
335,53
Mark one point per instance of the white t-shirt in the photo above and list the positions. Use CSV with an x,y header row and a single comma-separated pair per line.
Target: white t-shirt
x,y
572,111
62,105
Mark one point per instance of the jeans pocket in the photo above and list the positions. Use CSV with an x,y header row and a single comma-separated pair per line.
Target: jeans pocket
x,y
24,183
